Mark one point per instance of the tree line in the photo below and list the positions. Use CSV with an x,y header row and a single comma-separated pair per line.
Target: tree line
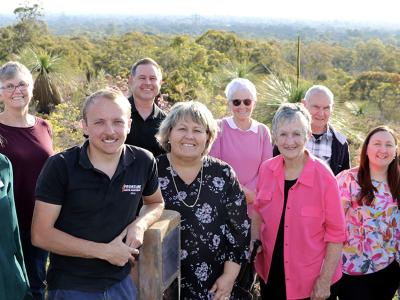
x,y
364,74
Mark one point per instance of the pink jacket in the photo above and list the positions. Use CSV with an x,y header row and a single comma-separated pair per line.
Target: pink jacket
x,y
314,217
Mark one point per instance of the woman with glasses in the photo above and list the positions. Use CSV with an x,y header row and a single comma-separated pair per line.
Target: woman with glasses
x,y
27,142
242,142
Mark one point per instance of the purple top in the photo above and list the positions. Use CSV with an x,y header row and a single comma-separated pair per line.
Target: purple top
x,y
28,149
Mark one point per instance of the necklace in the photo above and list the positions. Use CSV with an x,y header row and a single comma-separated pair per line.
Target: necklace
x,y
176,188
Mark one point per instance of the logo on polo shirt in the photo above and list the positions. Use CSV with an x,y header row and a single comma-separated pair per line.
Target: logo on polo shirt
x,y
132,188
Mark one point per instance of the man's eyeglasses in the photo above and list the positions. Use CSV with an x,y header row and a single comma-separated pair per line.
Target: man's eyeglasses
x,y
237,102
11,88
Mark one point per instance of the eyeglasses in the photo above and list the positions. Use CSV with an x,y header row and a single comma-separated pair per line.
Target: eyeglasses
x,y
11,88
237,102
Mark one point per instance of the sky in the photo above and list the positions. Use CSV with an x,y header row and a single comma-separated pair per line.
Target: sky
x,y
370,11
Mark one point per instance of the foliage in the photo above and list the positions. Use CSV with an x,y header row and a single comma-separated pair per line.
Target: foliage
x,y
65,122
26,12
361,69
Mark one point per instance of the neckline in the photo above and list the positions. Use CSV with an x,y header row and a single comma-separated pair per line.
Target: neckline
x,y
174,174
18,127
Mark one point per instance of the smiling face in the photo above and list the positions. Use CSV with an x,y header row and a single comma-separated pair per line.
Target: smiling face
x,y
290,139
146,82
320,107
107,124
242,112
16,92
188,139
381,150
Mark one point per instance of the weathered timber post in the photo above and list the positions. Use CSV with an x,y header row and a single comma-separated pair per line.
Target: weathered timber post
x,y
159,259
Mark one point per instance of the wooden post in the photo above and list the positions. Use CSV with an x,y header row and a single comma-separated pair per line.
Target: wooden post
x,y
159,259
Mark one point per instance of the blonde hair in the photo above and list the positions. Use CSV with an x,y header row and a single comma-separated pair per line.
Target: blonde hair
x,y
111,94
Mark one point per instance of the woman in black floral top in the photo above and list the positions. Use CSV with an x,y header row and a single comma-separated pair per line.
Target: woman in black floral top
x,y
205,191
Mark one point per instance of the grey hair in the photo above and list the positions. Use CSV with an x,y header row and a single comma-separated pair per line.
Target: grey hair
x,y
194,110
11,69
109,93
146,61
239,84
319,89
289,112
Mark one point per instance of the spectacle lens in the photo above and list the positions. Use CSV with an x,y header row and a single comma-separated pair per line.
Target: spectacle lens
x,y
237,102
11,88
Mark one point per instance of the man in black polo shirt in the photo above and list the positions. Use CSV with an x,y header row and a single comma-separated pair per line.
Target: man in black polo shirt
x,y
87,197
145,82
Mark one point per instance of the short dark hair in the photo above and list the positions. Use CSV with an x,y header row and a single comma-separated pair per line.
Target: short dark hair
x,y
145,61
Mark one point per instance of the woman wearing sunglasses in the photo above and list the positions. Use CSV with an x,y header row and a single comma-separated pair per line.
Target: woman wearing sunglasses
x,y
27,142
243,142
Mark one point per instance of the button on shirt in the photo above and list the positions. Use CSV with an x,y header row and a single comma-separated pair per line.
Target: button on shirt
x,y
314,217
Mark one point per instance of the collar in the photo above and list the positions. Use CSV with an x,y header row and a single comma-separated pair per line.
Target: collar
x,y
127,157
327,134
154,113
340,137
307,174
232,124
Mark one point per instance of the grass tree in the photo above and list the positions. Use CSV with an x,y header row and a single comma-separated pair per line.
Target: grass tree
x,y
273,90
49,70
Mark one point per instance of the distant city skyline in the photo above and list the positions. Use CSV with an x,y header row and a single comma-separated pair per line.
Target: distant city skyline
x,y
371,11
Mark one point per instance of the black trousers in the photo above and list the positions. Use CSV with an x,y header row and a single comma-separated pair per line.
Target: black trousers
x,y
278,292
381,285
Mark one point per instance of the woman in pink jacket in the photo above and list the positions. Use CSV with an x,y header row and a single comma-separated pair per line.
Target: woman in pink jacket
x,y
298,216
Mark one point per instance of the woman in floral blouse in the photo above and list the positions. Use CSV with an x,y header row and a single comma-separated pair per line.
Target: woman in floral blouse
x,y
207,194
371,197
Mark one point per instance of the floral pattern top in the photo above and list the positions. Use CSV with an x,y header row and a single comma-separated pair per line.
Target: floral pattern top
x,y
215,230
373,231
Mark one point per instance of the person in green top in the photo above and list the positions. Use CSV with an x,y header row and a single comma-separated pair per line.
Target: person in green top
x,y
13,278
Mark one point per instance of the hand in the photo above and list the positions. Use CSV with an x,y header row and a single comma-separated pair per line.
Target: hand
x,y
117,253
134,235
222,287
321,290
249,194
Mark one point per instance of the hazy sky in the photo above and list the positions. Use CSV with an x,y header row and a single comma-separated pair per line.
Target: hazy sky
x,y
373,11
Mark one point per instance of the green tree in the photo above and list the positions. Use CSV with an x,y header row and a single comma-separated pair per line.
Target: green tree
x,y
50,70
29,26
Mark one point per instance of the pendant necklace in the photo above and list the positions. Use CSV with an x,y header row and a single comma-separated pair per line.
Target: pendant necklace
x,y
176,188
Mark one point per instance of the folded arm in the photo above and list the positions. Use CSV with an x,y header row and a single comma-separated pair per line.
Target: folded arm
x,y
46,236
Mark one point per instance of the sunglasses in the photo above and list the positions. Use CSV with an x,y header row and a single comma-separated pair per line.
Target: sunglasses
x,y
237,102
